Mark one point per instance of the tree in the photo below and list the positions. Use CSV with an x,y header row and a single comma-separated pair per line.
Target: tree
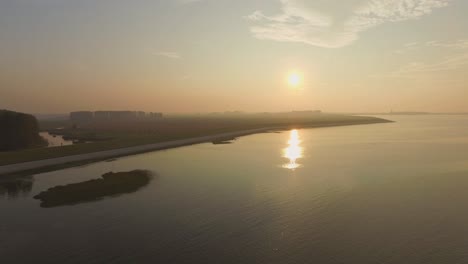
x,y
18,131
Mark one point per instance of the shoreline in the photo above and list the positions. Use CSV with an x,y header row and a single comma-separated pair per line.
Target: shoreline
x,y
52,164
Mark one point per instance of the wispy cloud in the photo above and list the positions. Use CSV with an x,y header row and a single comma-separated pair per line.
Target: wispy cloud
x,y
168,54
303,22
452,45
448,63
456,58
459,44
188,1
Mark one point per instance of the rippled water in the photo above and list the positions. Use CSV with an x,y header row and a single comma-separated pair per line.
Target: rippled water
x,y
384,193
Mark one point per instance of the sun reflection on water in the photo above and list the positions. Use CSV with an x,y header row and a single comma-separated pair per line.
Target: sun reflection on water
x,y
293,151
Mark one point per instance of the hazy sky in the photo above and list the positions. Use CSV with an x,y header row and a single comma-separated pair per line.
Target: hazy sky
x,y
217,55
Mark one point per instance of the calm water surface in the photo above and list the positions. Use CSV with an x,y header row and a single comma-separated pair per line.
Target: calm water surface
x,y
55,140
384,193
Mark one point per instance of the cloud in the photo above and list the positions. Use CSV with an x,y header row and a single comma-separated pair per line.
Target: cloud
x,y
188,1
451,45
456,58
449,63
459,44
303,22
168,54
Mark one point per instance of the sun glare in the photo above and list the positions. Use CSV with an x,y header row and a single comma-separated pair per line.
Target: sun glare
x,y
294,150
294,79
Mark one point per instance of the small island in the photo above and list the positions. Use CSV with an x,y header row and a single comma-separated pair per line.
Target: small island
x,y
110,184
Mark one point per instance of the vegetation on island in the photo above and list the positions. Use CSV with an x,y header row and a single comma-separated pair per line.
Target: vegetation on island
x,y
110,184
19,131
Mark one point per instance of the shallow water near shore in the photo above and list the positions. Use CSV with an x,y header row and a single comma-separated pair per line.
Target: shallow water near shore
x,y
381,193
55,140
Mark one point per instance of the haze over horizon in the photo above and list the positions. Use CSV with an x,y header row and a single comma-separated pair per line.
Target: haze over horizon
x,y
261,55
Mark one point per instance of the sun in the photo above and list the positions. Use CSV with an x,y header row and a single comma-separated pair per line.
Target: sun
x,y
294,79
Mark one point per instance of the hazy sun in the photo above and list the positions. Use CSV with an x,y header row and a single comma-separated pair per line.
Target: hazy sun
x,y
294,79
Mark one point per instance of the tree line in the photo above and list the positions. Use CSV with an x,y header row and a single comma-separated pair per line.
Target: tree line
x,y
18,131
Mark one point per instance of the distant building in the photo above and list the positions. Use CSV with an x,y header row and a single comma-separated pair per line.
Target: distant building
x,y
155,115
82,117
140,114
88,116
122,115
308,112
102,115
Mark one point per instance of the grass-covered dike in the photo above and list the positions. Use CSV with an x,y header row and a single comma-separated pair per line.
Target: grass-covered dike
x,y
124,135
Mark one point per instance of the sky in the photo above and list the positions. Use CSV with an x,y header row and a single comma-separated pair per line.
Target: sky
x,y
58,56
